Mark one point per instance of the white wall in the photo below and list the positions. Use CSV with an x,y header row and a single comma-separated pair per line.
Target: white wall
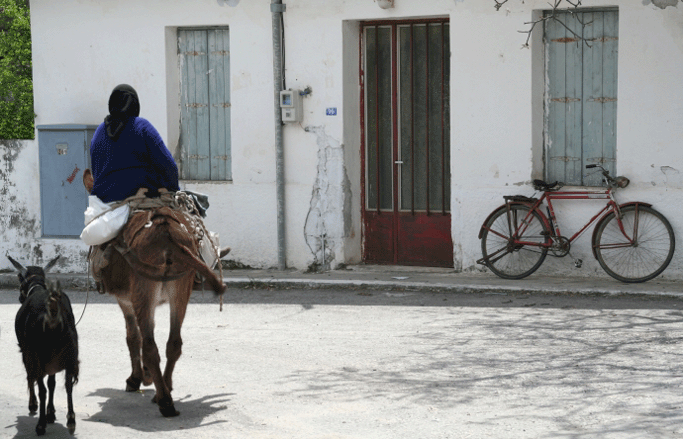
x,y
83,48
493,152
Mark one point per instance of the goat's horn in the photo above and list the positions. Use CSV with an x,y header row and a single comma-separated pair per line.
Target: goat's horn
x,y
17,265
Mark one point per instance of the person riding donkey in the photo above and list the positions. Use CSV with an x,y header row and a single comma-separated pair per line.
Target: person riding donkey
x,y
132,169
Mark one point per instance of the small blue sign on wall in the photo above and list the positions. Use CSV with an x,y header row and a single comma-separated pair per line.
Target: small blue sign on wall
x,y
332,111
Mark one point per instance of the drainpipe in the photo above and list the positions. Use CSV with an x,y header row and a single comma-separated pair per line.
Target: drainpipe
x,y
277,8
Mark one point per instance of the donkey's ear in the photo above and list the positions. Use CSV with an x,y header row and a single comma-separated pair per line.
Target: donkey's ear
x,y
50,264
17,265
88,180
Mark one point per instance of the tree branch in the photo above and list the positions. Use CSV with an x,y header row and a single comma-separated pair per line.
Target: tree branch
x,y
499,4
553,15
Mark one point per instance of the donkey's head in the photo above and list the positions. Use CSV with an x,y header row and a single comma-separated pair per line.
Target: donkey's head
x,y
30,276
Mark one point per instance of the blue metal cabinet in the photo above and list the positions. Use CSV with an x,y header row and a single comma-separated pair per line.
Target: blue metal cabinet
x,y
64,152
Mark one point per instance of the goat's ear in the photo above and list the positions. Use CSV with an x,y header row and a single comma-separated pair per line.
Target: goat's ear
x,y
17,265
50,264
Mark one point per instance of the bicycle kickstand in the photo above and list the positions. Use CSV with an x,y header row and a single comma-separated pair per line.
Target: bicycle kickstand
x,y
578,262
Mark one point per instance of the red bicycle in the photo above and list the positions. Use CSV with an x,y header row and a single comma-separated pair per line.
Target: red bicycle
x,y
631,241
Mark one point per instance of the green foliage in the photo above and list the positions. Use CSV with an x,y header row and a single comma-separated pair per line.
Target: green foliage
x,y
16,84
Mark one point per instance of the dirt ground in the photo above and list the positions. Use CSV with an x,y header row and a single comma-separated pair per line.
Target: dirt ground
x,y
359,363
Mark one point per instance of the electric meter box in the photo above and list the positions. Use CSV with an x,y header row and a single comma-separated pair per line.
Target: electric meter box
x,y
291,106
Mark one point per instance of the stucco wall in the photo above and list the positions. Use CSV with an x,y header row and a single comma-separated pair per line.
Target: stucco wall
x,y
82,49
495,149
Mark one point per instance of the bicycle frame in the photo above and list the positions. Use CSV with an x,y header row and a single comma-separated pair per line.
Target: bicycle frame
x,y
549,196
631,241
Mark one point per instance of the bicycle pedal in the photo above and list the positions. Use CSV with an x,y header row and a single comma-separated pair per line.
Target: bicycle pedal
x,y
578,263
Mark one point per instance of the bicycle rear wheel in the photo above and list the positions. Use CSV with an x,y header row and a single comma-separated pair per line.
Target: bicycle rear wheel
x,y
506,257
643,259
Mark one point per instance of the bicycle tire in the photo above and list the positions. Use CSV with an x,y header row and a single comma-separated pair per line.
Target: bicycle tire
x,y
646,259
506,259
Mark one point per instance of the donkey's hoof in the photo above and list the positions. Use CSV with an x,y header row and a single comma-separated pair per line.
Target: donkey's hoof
x,y
167,408
32,409
133,384
169,412
40,430
50,418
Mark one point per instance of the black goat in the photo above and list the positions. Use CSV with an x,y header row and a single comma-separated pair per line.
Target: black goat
x,y
46,331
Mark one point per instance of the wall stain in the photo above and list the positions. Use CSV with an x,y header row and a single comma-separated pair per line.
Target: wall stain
x,y
17,225
329,217
661,4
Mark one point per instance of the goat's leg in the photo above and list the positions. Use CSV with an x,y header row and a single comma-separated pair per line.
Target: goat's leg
x,y
180,296
42,422
32,400
70,415
134,342
144,292
50,410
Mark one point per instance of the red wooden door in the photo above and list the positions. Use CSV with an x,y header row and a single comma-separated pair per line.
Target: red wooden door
x,y
406,147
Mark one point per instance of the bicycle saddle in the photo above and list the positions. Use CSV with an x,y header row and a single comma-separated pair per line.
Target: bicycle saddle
x,y
541,185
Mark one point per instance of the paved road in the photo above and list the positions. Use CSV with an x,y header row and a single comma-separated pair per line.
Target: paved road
x,y
373,364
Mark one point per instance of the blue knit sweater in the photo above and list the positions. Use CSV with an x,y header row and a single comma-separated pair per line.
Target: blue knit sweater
x,y
138,158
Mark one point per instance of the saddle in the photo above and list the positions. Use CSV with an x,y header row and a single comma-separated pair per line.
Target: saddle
x,y
143,241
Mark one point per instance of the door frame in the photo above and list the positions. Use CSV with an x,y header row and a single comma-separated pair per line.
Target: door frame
x,y
396,211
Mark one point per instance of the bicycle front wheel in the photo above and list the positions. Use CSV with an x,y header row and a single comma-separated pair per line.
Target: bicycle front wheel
x,y
503,237
641,251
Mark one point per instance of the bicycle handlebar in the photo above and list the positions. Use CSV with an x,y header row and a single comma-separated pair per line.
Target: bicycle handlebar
x,y
621,182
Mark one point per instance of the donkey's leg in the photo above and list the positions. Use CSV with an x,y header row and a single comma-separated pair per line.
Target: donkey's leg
x,y
179,295
42,422
144,295
134,342
70,415
50,410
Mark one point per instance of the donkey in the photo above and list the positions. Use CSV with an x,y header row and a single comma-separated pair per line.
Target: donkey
x,y
153,261
46,331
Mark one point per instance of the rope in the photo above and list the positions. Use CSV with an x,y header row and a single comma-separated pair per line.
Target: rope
x,y
87,291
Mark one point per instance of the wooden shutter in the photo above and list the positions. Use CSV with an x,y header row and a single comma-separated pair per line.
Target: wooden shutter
x,y
205,104
581,95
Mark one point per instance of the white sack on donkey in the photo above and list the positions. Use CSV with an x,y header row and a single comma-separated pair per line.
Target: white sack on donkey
x,y
102,223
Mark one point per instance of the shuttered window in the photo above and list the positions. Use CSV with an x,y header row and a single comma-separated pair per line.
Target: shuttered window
x,y
204,104
581,95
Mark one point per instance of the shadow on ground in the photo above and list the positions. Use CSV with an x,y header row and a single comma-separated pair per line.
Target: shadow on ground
x,y
135,410
26,428
309,298
591,373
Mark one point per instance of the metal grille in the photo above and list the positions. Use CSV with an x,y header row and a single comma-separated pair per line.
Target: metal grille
x,y
407,129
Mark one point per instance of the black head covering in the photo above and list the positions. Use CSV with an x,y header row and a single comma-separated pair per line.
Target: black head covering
x,y
123,104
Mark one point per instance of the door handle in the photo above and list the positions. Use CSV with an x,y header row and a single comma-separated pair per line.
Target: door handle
x,y
399,162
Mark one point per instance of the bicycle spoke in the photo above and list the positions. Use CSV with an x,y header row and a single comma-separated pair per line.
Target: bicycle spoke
x,y
512,243
644,256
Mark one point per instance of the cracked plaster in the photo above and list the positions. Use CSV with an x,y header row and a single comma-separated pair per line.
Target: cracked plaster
x,y
329,217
